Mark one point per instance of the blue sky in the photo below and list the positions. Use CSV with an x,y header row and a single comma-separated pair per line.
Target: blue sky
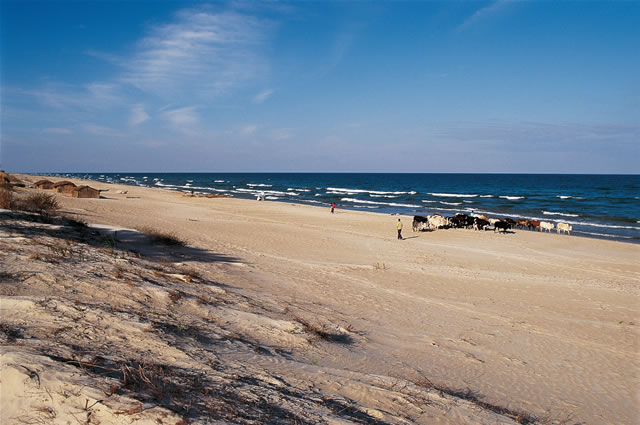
x,y
497,86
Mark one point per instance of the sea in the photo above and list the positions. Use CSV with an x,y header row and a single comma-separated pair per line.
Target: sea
x,y
598,206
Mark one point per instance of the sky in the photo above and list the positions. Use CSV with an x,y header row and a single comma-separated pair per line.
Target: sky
x,y
337,86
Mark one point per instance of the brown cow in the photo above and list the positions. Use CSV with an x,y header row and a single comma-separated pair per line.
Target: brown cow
x,y
533,225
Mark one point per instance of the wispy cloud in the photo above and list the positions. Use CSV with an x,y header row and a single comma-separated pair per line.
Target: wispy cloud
x,y
201,53
483,13
250,129
182,119
90,96
103,93
55,130
138,115
262,96
282,133
98,130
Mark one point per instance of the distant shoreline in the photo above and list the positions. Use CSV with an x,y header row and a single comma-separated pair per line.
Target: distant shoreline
x,y
364,191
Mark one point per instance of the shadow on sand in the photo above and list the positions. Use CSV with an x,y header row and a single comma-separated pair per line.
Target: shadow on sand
x,y
114,238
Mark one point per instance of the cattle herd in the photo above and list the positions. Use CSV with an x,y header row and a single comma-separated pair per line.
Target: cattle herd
x,y
481,222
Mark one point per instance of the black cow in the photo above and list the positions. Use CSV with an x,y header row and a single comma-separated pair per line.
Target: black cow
x,y
480,224
504,225
461,221
511,221
420,223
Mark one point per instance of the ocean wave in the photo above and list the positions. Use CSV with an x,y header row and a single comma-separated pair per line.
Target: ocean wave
x,y
559,213
451,203
512,198
564,196
383,196
603,234
360,201
383,204
333,192
467,202
428,202
298,190
393,204
372,207
356,191
218,181
266,192
259,185
454,195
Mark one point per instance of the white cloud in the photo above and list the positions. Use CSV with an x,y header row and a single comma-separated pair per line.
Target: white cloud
x,y
282,134
103,93
55,130
182,117
262,96
483,13
91,96
201,53
250,129
138,115
98,130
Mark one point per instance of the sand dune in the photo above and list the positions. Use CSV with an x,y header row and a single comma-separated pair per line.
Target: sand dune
x,y
301,315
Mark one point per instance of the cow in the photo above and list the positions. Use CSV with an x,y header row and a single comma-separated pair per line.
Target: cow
x,y
437,221
420,223
501,225
479,224
564,227
481,217
522,223
511,221
461,221
492,221
533,225
545,225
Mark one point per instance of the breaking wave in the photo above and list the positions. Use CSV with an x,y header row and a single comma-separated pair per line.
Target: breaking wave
x,y
559,213
455,195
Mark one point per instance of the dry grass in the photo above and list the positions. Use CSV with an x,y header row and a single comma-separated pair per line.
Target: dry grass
x,y
468,395
164,238
322,332
41,203
6,197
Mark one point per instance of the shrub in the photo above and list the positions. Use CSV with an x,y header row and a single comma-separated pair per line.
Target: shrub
x,y
163,238
6,198
42,203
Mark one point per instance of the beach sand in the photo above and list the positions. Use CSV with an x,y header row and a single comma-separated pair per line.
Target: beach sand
x,y
327,317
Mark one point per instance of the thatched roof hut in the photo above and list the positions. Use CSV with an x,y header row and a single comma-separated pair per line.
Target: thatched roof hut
x,y
43,184
10,179
65,187
4,178
85,192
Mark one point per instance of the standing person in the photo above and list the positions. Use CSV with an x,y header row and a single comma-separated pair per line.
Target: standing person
x,y
333,207
399,229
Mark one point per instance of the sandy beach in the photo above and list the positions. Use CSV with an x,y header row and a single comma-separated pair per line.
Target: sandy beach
x,y
326,317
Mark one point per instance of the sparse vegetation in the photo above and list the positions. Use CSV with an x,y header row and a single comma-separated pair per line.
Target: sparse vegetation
x,y
41,203
469,395
380,266
6,197
322,331
164,238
